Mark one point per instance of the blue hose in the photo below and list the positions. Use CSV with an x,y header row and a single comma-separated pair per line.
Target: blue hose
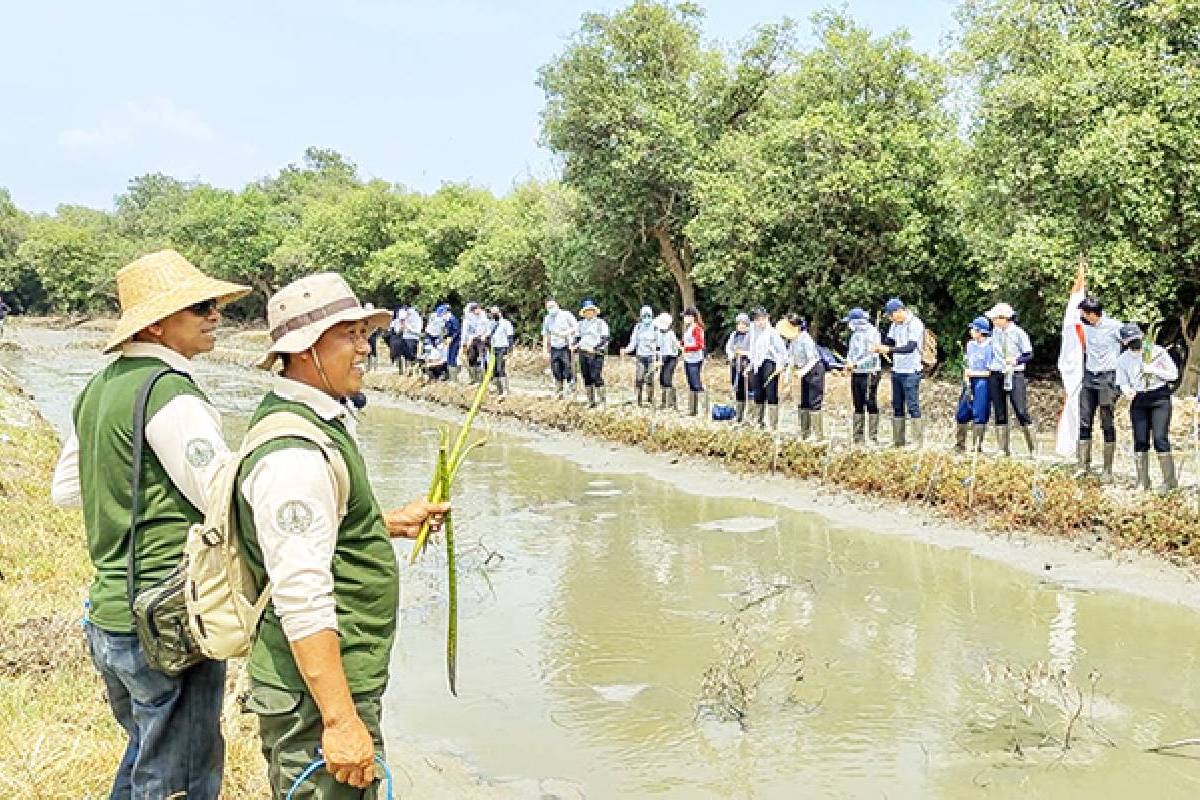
x,y
320,762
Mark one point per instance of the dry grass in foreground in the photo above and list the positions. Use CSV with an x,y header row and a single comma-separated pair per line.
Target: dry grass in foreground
x,y
57,737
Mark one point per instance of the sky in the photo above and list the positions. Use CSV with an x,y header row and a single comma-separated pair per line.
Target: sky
x,y
228,91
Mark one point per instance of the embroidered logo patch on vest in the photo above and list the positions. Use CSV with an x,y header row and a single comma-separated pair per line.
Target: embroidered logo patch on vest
x,y
199,452
294,516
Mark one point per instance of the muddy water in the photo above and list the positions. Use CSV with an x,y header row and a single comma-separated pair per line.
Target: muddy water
x,y
636,641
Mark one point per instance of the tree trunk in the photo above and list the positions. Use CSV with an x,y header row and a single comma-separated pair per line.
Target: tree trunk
x,y
675,261
1189,375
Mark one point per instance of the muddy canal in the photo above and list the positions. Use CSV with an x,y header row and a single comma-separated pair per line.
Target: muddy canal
x,y
637,641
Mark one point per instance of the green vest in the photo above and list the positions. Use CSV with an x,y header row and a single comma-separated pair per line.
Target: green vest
x,y
104,424
366,579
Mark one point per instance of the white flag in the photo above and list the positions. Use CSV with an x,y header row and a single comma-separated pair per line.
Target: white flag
x,y
1070,366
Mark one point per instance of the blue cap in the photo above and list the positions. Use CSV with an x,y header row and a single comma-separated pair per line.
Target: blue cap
x,y
442,309
856,314
588,305
981,324
893,305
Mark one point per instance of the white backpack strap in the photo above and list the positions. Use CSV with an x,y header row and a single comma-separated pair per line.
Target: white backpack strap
x,y
285,424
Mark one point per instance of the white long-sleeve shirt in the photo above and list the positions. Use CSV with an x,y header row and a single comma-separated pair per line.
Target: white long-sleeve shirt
x,y
1135,375
185,435
767,344
300,565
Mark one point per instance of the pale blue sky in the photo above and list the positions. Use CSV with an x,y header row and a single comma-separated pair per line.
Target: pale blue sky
x,y
226,91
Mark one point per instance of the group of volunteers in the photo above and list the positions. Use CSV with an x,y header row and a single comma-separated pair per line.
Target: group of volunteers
x,y
653,343
762,356
1118,361
142,458
437,344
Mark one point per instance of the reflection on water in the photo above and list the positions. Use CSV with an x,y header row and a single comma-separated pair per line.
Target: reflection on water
x,y
595,603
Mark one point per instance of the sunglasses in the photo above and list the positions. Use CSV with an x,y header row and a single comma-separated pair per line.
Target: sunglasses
x,y
204,308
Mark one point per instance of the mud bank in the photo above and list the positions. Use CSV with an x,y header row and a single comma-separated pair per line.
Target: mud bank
x,y
1087,561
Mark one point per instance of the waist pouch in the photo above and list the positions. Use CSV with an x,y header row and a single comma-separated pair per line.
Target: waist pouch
x,y
160,618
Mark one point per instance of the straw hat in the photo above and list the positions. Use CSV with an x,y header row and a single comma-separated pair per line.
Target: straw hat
x,y
157,285
300,312
787,329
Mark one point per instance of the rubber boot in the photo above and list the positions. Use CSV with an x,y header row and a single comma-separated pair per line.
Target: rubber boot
x,y
693,403
672,399
601,397
650,395
504,387
805,423
859,427
641,391
1166,463
453,374
1030,440
873,428
918,432
898,432
558,390
960,437
1002,439
1142,462
1083,458
1110,454
760,409
980,432
818,426
591,396
740,405
773,417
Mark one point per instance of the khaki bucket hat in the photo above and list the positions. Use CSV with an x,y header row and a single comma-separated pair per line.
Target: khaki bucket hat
x,y
300,312
157,285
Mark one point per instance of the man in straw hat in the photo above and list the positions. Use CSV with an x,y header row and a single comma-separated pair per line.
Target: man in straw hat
x,y
169,313
320,664
591,341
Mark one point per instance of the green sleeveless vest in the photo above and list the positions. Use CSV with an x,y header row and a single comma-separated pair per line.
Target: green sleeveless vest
x,y
103,419
366,579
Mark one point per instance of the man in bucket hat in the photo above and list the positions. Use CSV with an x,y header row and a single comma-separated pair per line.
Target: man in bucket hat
x,y
169,313
320,664
591,340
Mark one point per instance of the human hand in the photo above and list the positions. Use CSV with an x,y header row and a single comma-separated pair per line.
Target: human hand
x,y
349,752
406,522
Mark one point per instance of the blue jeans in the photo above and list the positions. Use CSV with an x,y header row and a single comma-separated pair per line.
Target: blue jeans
x,y
174,724
906,393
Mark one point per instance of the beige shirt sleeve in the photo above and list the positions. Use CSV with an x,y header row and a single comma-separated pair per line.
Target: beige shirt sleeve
x,y
296,517
186,436
64,486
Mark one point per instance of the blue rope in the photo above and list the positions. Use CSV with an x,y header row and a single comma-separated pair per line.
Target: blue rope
x,y
320,762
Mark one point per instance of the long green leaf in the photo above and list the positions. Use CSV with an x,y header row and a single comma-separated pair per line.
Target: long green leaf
x,y
449,460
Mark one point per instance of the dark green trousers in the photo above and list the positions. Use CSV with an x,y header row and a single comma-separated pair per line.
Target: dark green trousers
x,y
289,724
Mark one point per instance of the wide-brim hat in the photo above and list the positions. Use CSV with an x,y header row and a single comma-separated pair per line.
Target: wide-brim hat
x,y
663,321
300,312
158,285
1003,310
787,329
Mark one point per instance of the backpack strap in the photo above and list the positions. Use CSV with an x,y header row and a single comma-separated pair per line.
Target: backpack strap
x,y
139,443
286,424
